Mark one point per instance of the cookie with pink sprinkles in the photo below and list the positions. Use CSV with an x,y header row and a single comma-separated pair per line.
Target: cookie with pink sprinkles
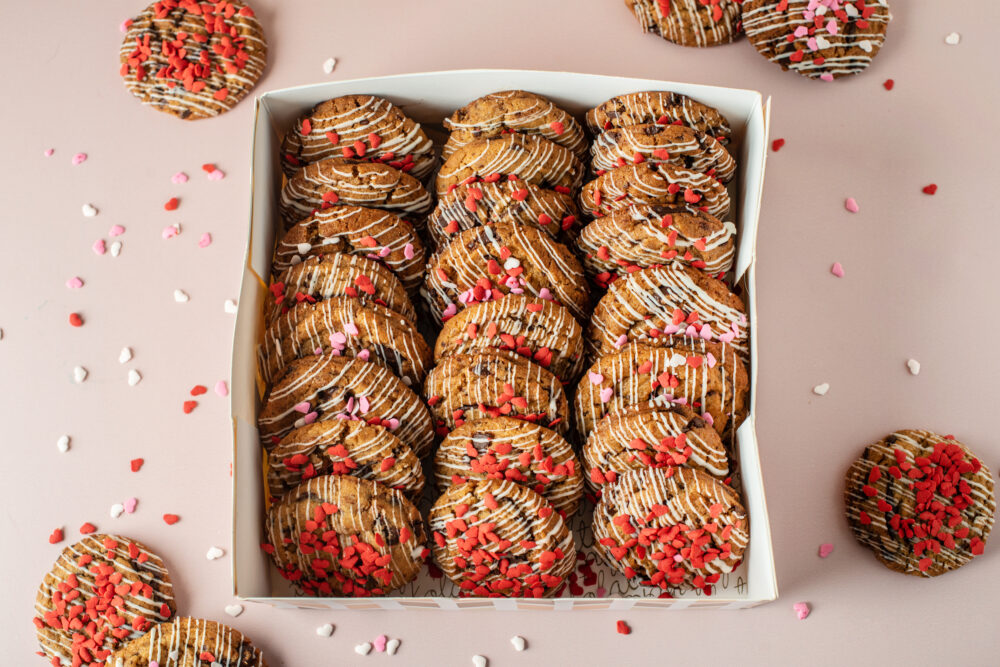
x,y
656,184
662,108
698,23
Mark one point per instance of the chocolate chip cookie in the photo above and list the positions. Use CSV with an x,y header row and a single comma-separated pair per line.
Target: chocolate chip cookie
x,y
189,641
675,145
662,108
657,184
689,22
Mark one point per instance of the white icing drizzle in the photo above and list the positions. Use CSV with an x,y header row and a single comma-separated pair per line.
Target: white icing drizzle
x,y
529,157
685,147
518,111
648,183
651,106
181,642
689,22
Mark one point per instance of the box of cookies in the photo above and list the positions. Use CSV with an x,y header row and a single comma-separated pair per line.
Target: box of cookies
x,y
496,346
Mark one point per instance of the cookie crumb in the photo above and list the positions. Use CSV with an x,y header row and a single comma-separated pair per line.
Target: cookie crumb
x,y
837,270
801,610
914,366
821,389
623,628
952,38
825,549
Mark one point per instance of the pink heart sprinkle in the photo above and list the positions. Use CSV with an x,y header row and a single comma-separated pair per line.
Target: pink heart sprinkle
x,y
302,407
601,591
706,332
79,158
801,609
408,251
179,177
727,337
99,247
364,355
826,76
379,643
544,293
606,394
825,549
691,331
338,339
595,378
837,270
123,27
49,152
116,230
169,232
74,283
708,418
216,175
831,27
351,329
622,340
711,360
350,404
671,329
851,205
449,311
384,252
130,504
311,417
801,31
811,43
221,388
205,240
393,424
365,404
152,663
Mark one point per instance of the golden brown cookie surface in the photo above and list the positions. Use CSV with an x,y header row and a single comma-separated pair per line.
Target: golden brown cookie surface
x,y
676,145
689,22
189,641
656,184
662,108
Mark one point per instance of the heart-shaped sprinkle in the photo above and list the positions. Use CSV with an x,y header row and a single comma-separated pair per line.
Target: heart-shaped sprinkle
x,y
230,307
329,65
125,355
221,388
324,630
79,374
392,645
214,553
379,643
216,175
116,248
837,270
518,642
130,504
74,283
914,366
171,519
134,377
479,661
62,444
821,389
205,240
801,610
234,609
117,510
170,231
99,247
180,296
825,549
929,189
952,38
79,158
363,649
178,178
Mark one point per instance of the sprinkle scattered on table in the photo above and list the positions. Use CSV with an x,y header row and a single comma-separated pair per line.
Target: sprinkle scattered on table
x,y
62,444
623,628
214,553
825,549
821,389
324,630
851,204
889,83
801,610
930,189
952,38
518,642
329,65
777,144
914,366
234,609
837,270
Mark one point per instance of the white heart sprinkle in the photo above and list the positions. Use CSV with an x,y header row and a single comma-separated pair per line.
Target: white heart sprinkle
x,y
88,211
511,263
116,248
821,389
180,296
329,64
214,553
851,10
392,646
79,374
324,630
62,444
134,377
952,38
518,642
125,355
865,45
234,609
229,306
303,248
295,260
117,510
914,366
479,661
363,649
822,42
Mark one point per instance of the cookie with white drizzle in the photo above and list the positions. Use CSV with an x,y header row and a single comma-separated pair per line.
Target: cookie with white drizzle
x,y
656,184
336,275
664,300
662,108
482,203
101,593
689,22
707,377
512,449
189,641
346,327
820,40
494,383
365,127
667,437
334,181
323,387
500,539
922,502
509,111
377,235
341,536
527,157
676,145
641,236
538,329
673,532
487,263
190,59
343,447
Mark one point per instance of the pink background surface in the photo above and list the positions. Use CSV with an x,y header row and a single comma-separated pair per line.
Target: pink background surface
x,y
919,283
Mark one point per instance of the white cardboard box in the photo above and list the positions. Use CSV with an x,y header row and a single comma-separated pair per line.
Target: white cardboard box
x,y
428,98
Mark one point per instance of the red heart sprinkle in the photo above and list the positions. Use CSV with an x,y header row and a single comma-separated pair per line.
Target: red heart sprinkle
x,y
198,390
56,536
889,83
623,628
171,519
930,189
189,406
777,144
171,204
136,464
88,528
77,321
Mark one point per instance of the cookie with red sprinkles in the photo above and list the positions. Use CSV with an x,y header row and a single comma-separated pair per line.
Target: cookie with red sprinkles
x,y
189,641
497,538
657,184
707,377
331,275
487,263
504,448
374,234
365,127
342,181
339,535
662,108
672,532
524,157
343,447
689,22
345,326
517,111
322,387
541,330
922,502
494,383
820,39
193,59
641,236
667,437
485,203
665,300
102,592
677,145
